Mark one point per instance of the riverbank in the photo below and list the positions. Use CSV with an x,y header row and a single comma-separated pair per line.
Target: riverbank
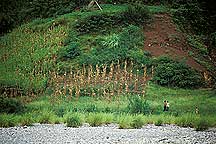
x,y
106,134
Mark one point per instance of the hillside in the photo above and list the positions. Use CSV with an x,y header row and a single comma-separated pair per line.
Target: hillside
x,y
132,65
163,38
32,52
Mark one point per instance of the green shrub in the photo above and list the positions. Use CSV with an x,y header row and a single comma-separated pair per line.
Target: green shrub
x,y
69,52
95,119
114,48
176,74
137,14
196,43
108,118
46,117
125,121
190,16
159,122
10,105
202,124
101,22
27,120
187,120
138,105
91,108
74,120
137,122
59,111
17,12
8,120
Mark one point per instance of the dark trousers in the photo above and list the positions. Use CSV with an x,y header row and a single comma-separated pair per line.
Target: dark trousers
x,y
164,108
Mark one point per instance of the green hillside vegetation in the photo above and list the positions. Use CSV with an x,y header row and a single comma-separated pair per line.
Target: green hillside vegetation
x,y
129,111
79,65
33,50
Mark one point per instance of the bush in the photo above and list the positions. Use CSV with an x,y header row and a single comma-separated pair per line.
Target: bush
x,y
190,16
95,119
27,120
114,48
74,120
125,121
137,122
59,111
137,14
10,105
196,43
47,117
98,23
159,122
91,108
138,105
17,12
202,124
7,120
187,120
69,52
176,74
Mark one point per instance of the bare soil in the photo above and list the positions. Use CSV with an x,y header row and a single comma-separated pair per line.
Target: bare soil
x,y
163,38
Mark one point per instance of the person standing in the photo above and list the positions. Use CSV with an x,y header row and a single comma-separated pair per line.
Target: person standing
x,y
165,105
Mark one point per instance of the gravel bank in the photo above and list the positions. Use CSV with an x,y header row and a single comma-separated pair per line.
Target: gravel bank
x,y
110,134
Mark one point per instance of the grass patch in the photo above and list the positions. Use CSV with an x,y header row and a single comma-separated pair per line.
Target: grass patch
x,y
74,120
137,122
202,124
8,120
125,121
95,119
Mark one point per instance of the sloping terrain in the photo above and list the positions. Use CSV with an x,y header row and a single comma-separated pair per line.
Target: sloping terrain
x,y
163,38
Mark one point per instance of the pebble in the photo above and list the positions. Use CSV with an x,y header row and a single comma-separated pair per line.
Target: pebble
x,y
106,134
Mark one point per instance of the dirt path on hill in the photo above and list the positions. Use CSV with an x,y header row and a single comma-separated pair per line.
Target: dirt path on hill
x,y
162,38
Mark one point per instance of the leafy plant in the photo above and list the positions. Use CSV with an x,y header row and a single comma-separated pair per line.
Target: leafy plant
x,y
98,23
10,105
159,122
124,46
69,52
95,119
46,117
197,44
74,120
202,124
27,120
7,120
137,122
125,121
137,14
176,74
138,105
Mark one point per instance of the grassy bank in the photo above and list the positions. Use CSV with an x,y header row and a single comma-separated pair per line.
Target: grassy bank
x,y
99,110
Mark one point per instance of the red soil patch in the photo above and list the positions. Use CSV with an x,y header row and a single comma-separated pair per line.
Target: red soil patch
x,y
162,38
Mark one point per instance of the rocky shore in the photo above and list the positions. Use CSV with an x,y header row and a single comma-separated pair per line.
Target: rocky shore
x,y
107,134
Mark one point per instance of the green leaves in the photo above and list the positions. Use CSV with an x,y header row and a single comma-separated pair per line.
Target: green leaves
x,y
176,74
138,105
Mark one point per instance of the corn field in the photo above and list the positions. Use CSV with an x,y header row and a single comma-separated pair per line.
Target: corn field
x,y
105,81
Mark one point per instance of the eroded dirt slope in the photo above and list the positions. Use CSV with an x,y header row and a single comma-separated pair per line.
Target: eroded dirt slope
x,y
163,38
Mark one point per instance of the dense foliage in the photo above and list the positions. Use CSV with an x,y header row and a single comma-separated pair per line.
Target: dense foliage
x,y
14,13
176,74
9,105
138,104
